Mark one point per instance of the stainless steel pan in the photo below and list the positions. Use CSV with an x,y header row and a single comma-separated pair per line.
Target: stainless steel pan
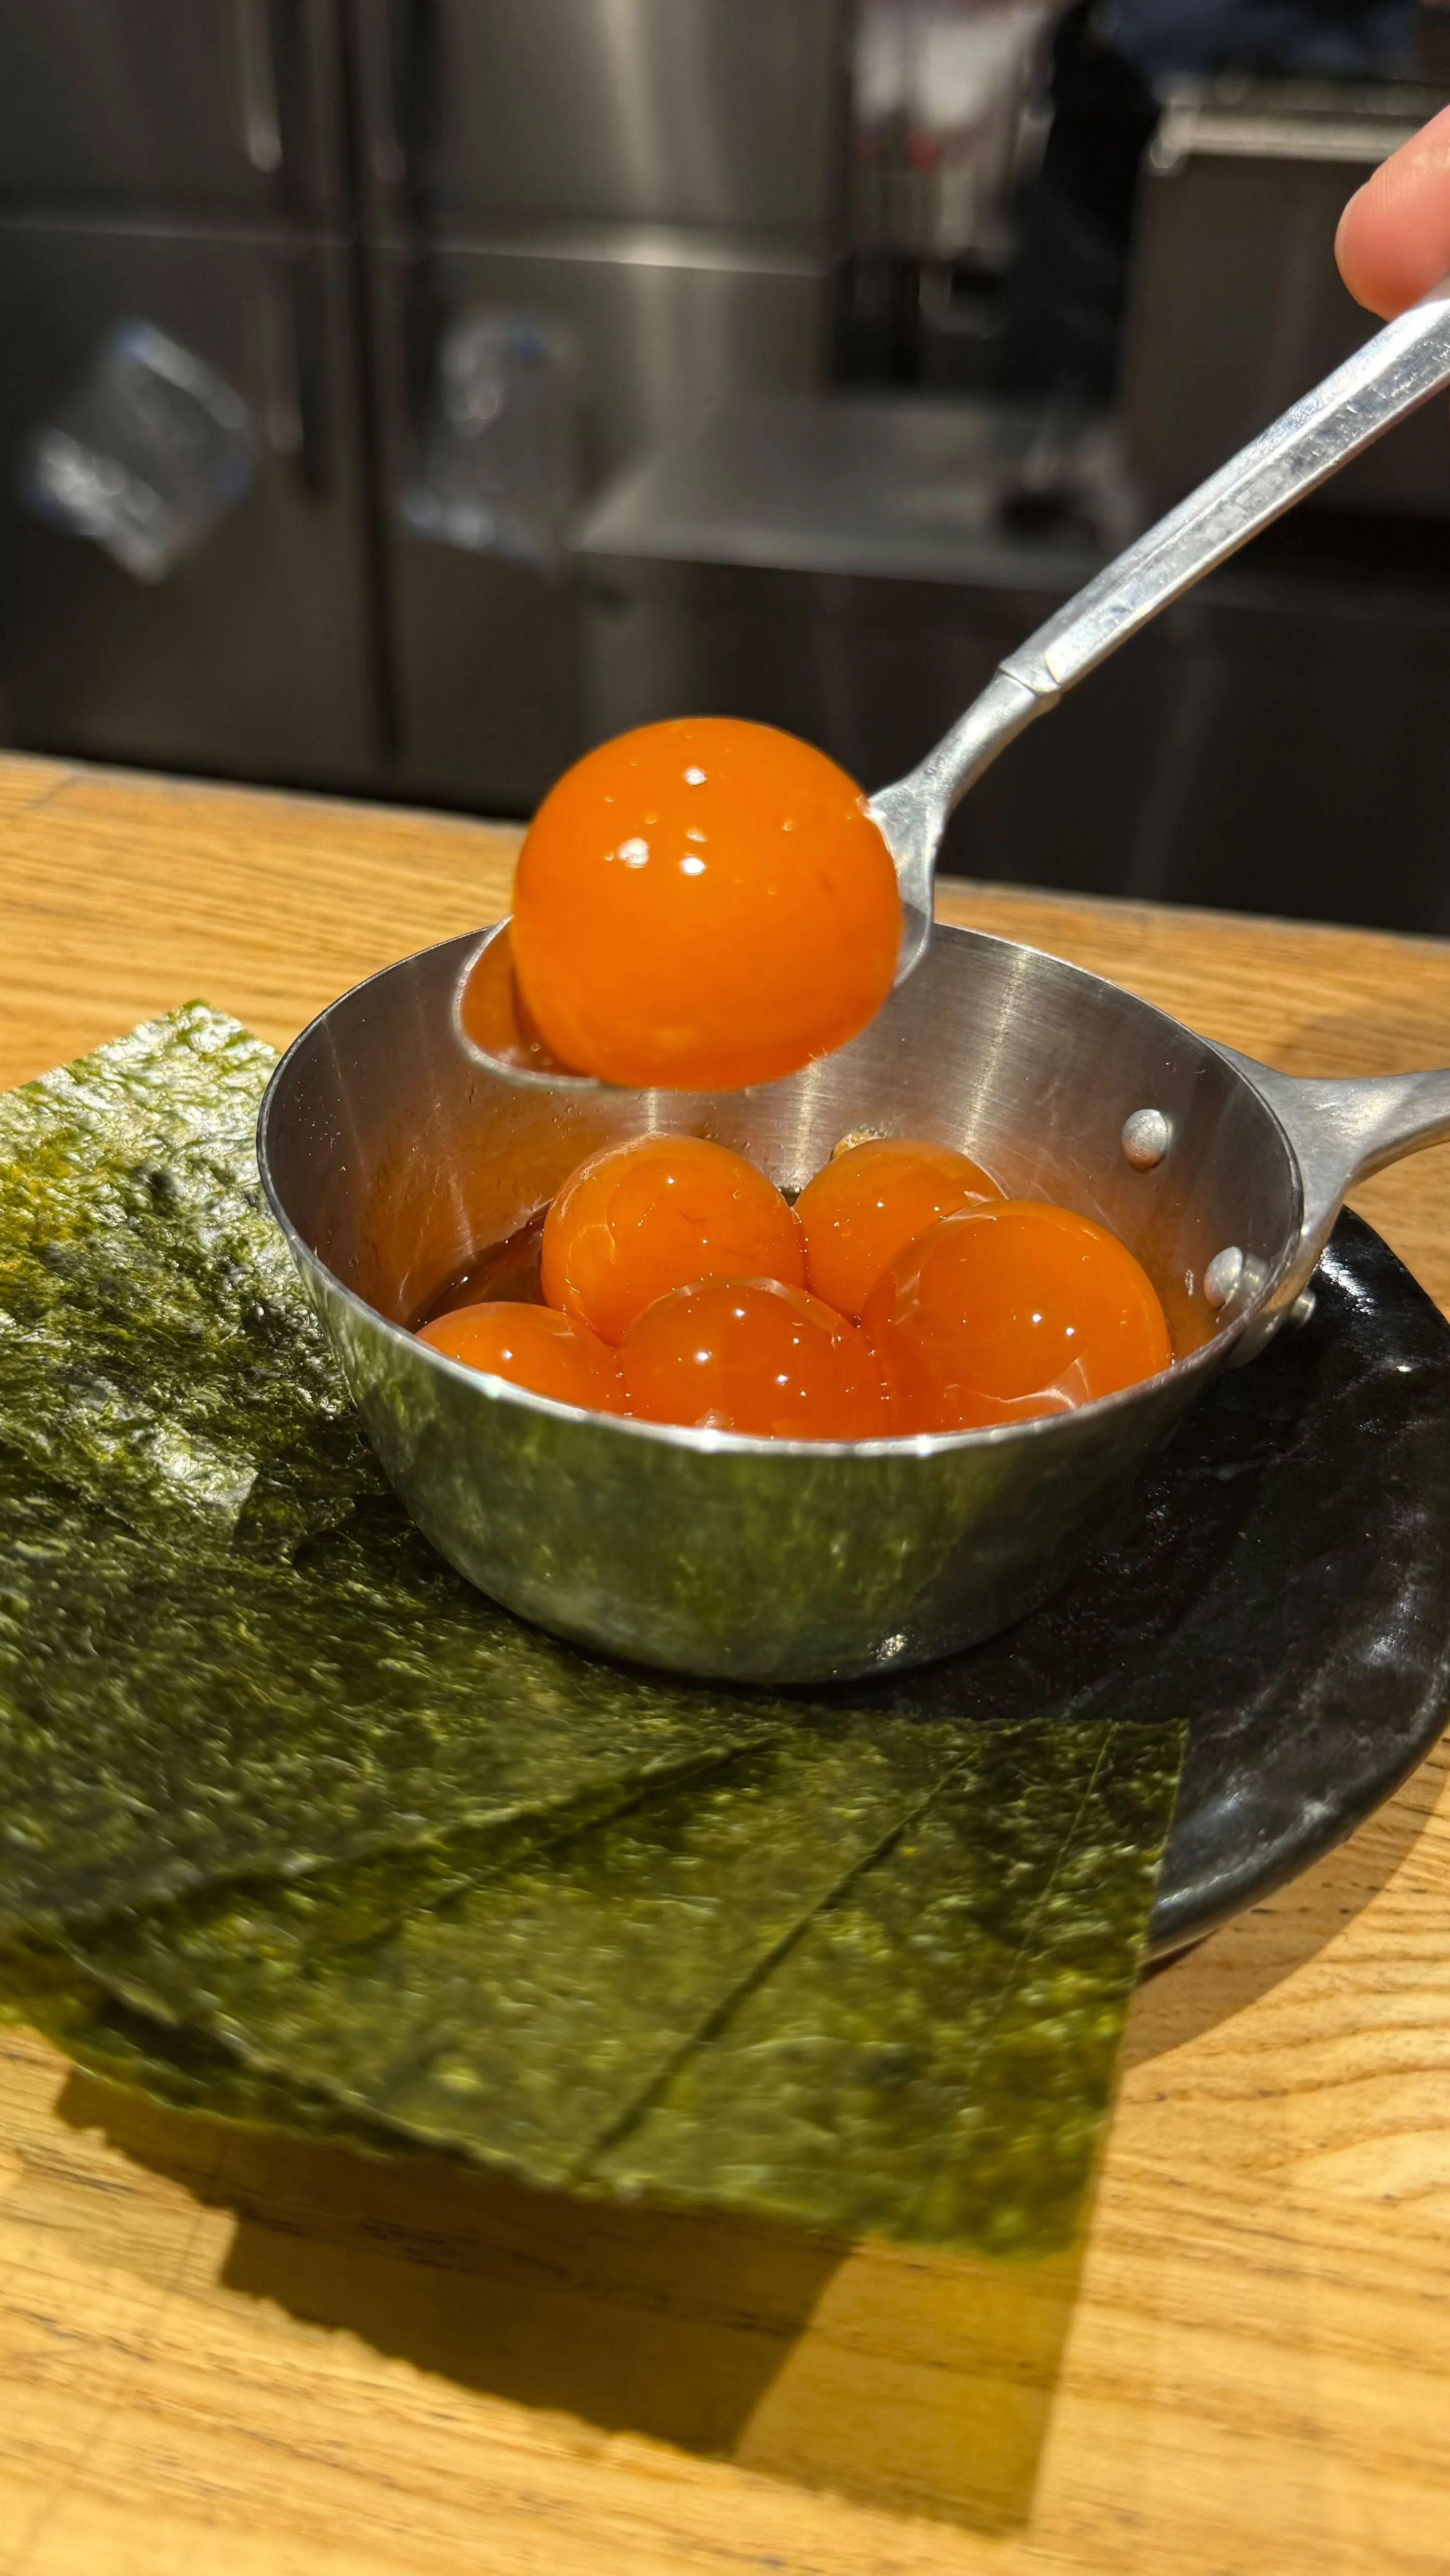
x,y
390,1156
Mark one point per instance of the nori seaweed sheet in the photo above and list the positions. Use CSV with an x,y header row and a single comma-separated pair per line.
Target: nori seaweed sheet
x,y
866,1987
184,2069
521,2004
338,1847
222,1645
933,2060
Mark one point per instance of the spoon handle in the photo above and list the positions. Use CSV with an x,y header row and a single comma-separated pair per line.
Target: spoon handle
x,y
1394,372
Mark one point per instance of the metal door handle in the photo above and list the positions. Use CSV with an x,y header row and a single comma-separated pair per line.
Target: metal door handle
x,y
297,416
383,143
308,307
403,49
258,115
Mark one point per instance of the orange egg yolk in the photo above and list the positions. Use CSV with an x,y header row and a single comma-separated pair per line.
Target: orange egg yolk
x,y
749,1355
662,1212
702,904
1011,1310
532,1347
870,1201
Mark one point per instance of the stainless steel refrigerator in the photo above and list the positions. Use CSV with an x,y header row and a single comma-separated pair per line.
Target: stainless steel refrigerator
x,y
183,163
308,200
657,178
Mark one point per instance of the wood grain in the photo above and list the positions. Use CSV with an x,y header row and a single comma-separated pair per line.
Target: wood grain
x,y
262,2358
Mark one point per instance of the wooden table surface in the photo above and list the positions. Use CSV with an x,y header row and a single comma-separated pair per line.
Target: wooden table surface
x,y
225,2352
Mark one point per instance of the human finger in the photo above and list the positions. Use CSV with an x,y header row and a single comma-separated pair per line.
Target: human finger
x,y
1393,242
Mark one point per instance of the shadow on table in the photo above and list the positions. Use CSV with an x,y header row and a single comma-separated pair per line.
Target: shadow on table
x,y
912,2380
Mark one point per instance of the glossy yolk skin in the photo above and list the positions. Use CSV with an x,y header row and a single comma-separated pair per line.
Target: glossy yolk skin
x,y
702,904
1009,1311
550,1354
869,1202
662,1213
748,1355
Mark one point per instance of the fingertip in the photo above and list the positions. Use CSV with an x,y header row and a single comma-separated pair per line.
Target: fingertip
x,y
1359,249
1393,239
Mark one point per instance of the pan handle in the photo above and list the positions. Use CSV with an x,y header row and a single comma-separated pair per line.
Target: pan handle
x,y
1340,1133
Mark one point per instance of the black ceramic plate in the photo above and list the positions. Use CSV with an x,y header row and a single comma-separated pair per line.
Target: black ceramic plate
x,y
1282,1581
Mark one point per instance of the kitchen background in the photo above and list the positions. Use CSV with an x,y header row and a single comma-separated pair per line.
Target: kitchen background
x,y
399,395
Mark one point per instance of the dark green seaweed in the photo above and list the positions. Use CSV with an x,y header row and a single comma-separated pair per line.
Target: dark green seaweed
x,y
934,2058
166,1720
869,1982
325,1840
183,2069
222,1645
157,1357
519,2005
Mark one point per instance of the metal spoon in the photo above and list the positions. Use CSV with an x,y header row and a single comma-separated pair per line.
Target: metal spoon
x,y
1401,367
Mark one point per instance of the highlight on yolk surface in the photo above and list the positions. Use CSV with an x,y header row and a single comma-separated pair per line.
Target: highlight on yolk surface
x,y
749,1355
1011,1310
532,1347
701,904
870,1201
658,1213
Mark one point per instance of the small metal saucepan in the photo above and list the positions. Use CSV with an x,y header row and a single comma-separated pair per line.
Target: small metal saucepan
x,y
390,1158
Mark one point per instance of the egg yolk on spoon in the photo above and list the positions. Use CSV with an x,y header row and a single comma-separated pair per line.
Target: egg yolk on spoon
x,y
702,904
1010,1310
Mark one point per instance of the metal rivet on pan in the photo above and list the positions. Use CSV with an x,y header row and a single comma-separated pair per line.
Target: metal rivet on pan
x,y
1146,1138
1303,1307
1223,1274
